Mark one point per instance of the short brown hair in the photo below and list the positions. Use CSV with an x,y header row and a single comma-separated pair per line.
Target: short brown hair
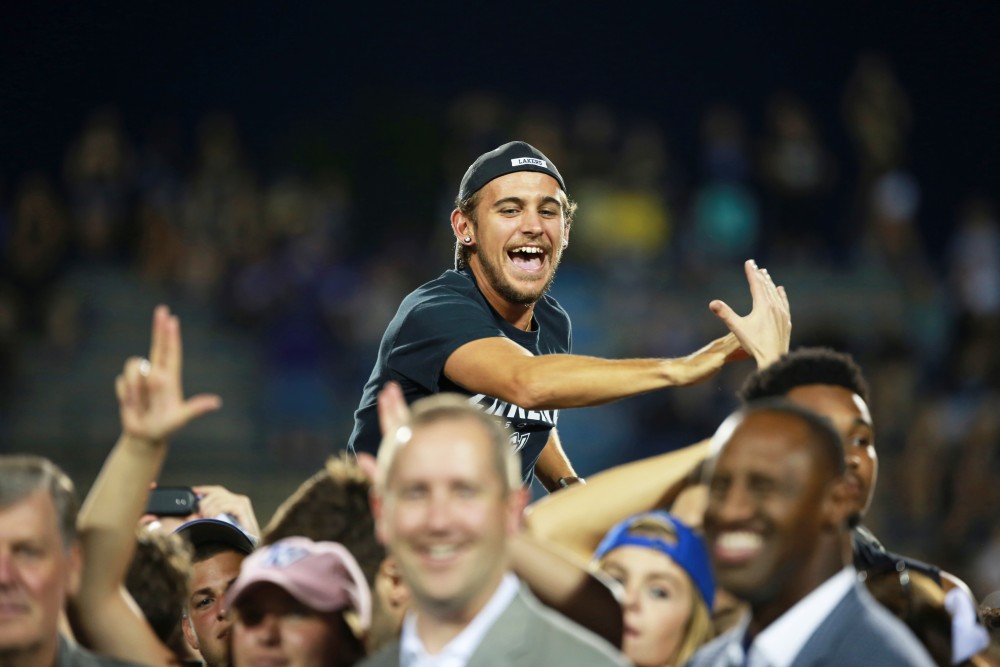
x,y
332,506
158,580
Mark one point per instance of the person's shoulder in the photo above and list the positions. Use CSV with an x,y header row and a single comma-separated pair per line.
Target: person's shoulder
x,y
550,304
72,655
872,631
449,288
710,654
553,320
452,280
572,643
387,656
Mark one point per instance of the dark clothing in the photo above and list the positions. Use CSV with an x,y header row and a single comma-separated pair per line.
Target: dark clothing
x,y
869,554
434,321
71,655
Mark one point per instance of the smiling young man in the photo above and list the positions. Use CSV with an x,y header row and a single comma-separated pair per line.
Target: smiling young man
x,y
777,514
831,384
489,330
448,506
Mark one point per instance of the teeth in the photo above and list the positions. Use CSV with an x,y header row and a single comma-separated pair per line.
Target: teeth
x,y
441,551
529,250
740,541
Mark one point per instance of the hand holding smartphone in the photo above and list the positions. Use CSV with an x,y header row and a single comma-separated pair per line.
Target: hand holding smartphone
x,y
172,501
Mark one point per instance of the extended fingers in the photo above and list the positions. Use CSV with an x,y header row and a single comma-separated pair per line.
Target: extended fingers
x,y
120,389
392,408
784,299
368,465
723,311
158,341
201,404
174,349
134,381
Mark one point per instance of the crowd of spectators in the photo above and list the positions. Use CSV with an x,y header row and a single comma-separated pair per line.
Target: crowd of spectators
x,y
308,253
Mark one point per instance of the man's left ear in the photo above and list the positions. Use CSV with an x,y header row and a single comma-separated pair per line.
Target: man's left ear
x,y
461,226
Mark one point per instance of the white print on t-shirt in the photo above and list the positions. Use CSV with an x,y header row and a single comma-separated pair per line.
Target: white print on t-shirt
x,y
494,406
520,421
518,440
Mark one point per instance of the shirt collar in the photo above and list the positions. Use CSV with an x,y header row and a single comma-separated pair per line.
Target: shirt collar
x,y
461,647
780,642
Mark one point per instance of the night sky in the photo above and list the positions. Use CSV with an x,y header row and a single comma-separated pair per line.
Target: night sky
x,y
276,66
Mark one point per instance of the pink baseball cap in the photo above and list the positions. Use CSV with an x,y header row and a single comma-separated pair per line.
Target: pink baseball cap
x,y
320,575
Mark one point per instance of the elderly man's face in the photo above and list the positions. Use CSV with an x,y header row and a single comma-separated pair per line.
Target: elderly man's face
x,y
37,574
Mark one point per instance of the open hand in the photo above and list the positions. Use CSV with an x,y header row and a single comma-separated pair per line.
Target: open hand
x,y
766,332
151,401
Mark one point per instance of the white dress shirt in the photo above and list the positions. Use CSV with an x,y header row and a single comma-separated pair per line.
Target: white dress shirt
x,y
780,642
457,652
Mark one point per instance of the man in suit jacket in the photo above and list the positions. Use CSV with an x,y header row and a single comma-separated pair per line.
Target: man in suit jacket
x,y
447,501
775,523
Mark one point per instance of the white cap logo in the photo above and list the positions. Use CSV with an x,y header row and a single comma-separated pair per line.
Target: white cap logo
x,y
519,161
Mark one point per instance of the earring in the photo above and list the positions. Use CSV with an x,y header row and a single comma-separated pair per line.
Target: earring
x,y
467,239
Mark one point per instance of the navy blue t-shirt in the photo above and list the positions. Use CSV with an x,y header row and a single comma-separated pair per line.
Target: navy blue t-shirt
x,y
435,320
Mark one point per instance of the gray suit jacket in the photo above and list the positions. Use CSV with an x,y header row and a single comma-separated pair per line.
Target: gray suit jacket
x,y
527,634
858,632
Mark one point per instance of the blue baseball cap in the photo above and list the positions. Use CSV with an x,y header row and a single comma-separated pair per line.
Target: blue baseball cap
x,y
688,551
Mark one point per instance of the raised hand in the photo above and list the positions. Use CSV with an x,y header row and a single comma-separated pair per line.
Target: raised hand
x,y
214,500
151,400
393,411
766,332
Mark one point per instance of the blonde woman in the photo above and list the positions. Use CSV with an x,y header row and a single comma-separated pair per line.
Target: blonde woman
x,y
668,588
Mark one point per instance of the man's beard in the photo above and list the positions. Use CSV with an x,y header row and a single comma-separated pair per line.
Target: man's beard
x,y
498,281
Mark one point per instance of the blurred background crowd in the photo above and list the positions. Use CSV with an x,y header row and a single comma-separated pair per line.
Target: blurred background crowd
x,y
285,260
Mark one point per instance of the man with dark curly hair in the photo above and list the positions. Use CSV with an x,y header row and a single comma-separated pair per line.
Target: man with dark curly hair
x,y
832,384
333,506
157,580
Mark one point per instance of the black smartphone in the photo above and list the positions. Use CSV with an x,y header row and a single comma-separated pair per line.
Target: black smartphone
x,y
172,501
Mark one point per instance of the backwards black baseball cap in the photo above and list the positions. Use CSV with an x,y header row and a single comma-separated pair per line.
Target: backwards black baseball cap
x,y
507,159
202,531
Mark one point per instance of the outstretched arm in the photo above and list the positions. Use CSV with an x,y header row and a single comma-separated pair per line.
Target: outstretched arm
x,y
553,465
500,367
578,517
565,583
152,407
